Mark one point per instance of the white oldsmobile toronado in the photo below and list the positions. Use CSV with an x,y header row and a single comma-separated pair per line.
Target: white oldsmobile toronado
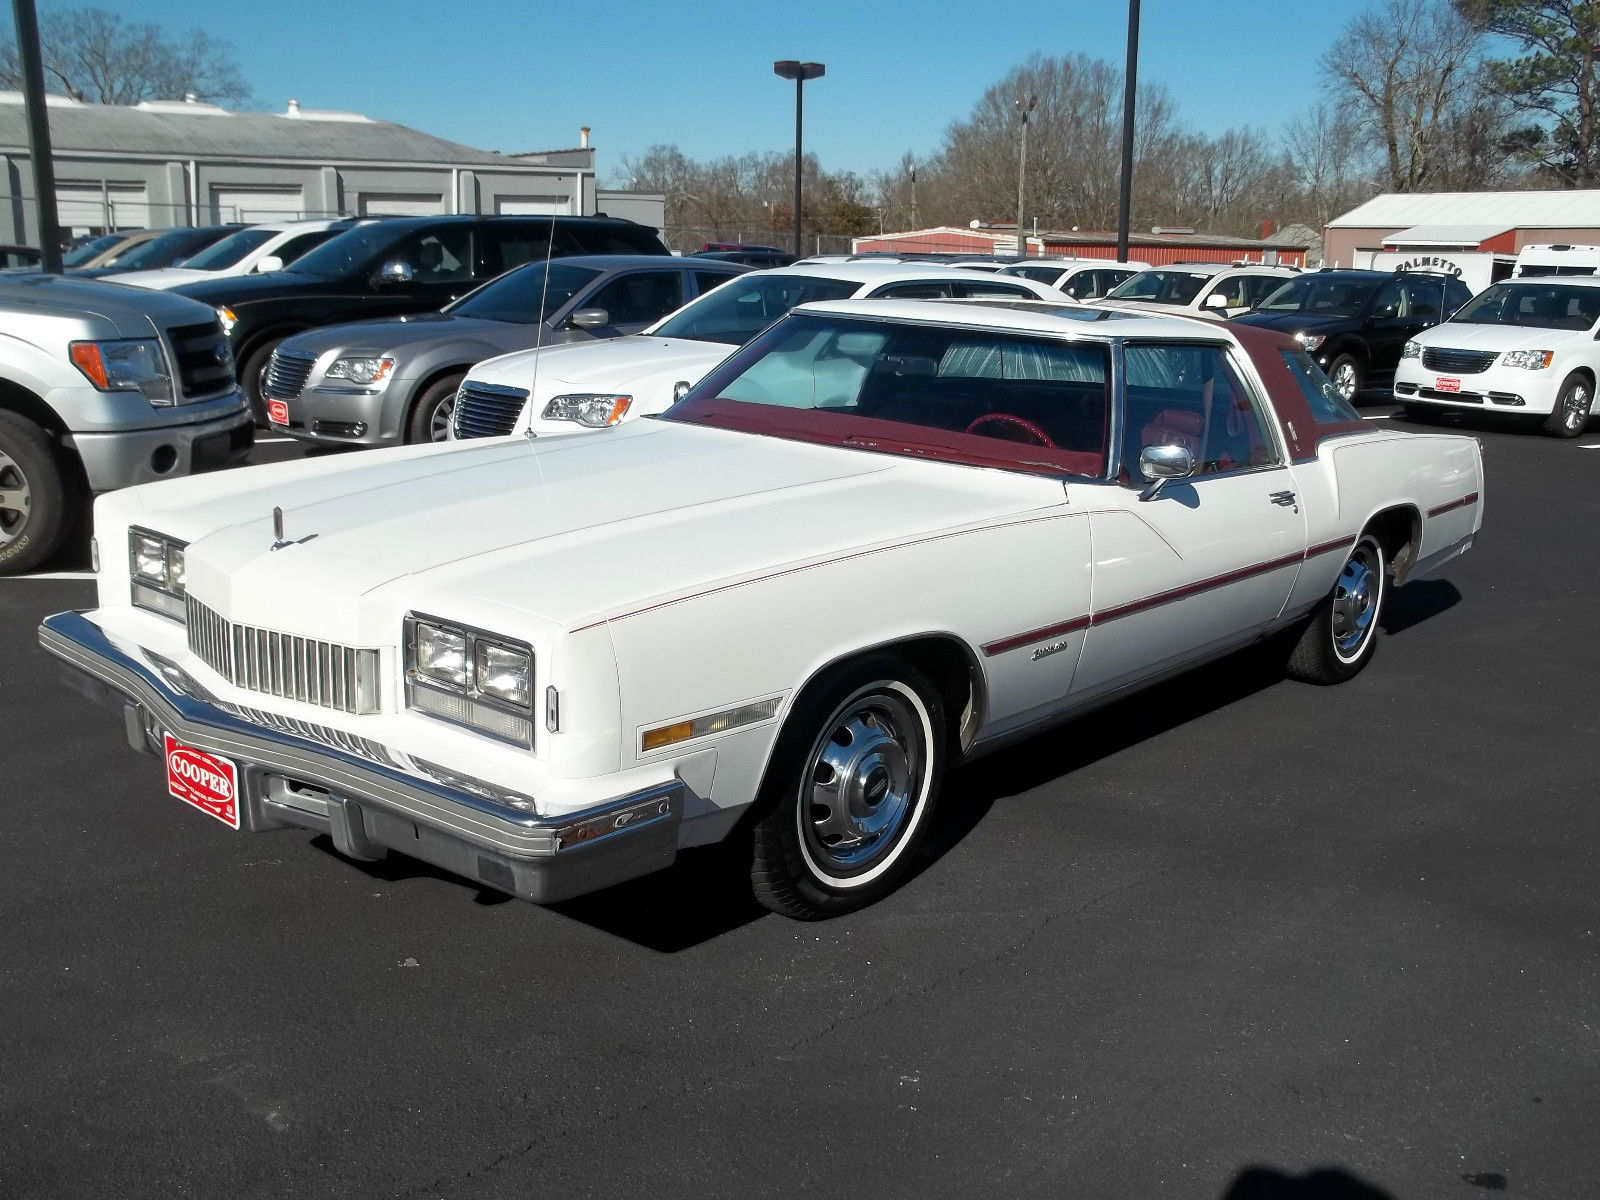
x,y
881,537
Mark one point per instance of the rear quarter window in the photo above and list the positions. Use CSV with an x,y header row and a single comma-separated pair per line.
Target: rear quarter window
x,y
1327,406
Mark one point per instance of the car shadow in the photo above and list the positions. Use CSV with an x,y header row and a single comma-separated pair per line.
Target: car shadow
x,y
1323,1183
706,892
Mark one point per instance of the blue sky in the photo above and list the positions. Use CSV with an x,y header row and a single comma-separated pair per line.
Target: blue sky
x,y
511,75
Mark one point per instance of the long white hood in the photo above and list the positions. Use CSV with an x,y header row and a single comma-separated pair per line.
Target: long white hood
x,y
567,530
1460,335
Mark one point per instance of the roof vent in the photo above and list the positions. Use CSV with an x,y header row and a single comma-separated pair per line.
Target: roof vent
x,y
1158,229
294,109
190,98
583,136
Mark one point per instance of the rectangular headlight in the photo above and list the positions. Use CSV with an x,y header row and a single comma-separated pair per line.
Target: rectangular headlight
x,y
156,563
471,678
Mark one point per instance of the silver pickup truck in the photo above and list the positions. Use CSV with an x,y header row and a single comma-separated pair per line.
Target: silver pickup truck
x,y
103,386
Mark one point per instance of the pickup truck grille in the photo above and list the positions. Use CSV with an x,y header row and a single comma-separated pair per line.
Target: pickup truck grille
x,y
1458,362
204,359
286,374
280,664
487,410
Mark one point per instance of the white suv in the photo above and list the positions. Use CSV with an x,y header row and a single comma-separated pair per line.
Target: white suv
x,y
254,250
1521,346
1080,278
598,384
1201,289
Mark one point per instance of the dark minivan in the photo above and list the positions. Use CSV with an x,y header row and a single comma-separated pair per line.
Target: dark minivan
x,y
393,266
1355,323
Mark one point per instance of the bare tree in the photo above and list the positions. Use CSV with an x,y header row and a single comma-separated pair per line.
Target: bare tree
x,y
1407,72
1332,162
92,54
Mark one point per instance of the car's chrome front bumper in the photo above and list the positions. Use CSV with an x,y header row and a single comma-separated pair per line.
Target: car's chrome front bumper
x,y
371,798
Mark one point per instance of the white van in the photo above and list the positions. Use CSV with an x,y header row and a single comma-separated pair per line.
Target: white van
x,y
1557,260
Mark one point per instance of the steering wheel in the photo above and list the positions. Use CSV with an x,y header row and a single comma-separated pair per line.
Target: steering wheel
x,y
1027,427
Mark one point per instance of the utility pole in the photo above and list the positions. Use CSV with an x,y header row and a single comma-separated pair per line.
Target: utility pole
x,y
914,198
799,72
44,168
1025,106
1130,86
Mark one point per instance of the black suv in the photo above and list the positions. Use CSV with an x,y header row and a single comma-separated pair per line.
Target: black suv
x,y
392,266
1355,323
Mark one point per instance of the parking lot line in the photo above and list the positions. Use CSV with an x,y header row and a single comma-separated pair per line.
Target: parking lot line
x,y
261,441
57,575
1590,446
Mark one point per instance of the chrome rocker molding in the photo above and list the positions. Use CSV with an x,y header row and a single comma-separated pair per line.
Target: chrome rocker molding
x,y
366,805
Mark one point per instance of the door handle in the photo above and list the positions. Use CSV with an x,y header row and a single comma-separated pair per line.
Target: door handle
x,y
1284,499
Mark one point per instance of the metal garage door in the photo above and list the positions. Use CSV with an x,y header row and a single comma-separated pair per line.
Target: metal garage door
x,y
82,207
253,204
528,206
401,204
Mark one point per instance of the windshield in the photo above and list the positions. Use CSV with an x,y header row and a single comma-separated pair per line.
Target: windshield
x,y
351,249
1163,287
515,297
99,245
167,250
958,394
230,249
738,311
1535,305
1322,296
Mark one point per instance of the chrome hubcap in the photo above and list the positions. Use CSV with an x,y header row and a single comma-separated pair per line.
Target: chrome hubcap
x,y
1345,380
1355,600
439,423
1577,406
862,781
16,499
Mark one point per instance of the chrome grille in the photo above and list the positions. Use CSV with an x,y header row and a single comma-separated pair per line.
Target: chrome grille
x,y
286,373
280,664
1459,362
487,410
203,358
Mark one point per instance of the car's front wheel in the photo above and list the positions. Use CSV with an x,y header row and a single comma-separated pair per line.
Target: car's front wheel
x,y
430,415
1347,376
1337,643
33,496
253,379
848,792
1574,403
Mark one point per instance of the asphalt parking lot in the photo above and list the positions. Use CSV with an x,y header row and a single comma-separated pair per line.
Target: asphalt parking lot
x,y
1234,937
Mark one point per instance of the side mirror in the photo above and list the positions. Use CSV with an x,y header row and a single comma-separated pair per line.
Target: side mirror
x,y
1215,300
589,318
395,271
1158,464
680,390
268,262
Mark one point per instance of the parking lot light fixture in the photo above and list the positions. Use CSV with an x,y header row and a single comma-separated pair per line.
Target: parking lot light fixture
x,y
789,68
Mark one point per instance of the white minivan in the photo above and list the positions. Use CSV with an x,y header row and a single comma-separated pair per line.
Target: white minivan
x,y
1523,345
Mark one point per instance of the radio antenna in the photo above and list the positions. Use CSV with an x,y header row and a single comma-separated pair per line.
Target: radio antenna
x,y
538,335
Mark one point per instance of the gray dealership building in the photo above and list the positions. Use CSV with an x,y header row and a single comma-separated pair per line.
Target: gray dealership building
x,y
179,162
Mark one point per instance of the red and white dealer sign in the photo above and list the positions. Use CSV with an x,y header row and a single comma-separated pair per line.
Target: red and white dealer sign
x,y
204,780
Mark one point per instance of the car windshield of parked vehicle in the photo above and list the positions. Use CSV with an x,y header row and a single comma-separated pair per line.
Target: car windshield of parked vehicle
x,y
736,313
1322,296
230,249
960,394
517,296
1536,305
1162,287
165,251
79,255
352,249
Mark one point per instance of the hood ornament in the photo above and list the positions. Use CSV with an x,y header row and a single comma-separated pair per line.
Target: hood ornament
x,y
277,529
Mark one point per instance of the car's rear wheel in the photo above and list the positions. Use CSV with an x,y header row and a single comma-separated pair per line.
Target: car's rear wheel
x,y
33,496
1348,376
431,412
1337,643
849,790
1574,404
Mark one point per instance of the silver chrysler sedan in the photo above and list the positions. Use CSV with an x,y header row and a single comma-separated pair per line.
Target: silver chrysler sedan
x,y
381,383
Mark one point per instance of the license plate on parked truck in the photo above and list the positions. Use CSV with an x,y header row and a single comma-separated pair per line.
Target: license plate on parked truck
x,y
206,781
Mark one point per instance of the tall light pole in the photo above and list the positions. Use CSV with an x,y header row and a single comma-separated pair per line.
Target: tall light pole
x,y
1025,107
1129,88
44,168
789,68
